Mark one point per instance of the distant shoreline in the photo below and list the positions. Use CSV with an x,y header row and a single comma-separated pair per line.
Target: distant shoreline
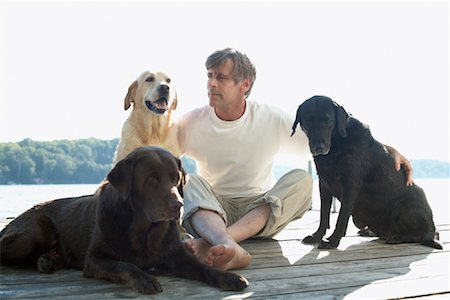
x,y
87,161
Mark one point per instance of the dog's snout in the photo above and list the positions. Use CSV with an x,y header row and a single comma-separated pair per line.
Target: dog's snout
x,y
163,89
319,149
176,205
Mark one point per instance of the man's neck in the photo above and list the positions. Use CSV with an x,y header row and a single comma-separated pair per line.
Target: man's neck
x,y
231,114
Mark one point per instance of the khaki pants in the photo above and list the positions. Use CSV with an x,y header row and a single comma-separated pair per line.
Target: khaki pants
x,y
289,199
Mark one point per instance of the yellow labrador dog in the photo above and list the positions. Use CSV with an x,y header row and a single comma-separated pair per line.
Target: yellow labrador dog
x,y
154,99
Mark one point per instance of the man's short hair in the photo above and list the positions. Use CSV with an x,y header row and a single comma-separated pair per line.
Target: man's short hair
x,y
243,67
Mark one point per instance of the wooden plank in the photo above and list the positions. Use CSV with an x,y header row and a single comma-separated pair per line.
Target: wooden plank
x,y
436,263
282,268
307,255
16,285
84,288
395,278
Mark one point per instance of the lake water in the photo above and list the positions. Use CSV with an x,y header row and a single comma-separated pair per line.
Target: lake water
x,y
15,199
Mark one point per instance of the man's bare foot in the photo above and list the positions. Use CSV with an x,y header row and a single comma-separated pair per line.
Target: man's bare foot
x,y
226,257
200,248
222,257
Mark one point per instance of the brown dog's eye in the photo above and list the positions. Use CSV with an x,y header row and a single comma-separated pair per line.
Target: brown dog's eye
x,y
150,79
153,179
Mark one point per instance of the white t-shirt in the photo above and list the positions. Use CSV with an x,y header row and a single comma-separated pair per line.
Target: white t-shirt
x,y
236,157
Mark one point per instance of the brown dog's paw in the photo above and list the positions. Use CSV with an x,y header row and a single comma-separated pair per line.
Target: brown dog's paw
x,y
145,284
232,282
45,264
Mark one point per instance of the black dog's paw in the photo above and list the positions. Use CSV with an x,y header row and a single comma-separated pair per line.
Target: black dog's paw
x,y
325,245
366,232
145,284
311,239
433,244
232,282
329,244
394,239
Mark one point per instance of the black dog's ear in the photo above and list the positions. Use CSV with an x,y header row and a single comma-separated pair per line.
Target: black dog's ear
x,y
121,177
297,120
342,119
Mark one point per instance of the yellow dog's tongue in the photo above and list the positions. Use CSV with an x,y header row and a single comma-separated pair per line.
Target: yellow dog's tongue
x,y
161,103
159,106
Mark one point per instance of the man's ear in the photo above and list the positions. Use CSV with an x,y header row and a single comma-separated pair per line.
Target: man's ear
x,y
121,178
245,85
130,95
342,119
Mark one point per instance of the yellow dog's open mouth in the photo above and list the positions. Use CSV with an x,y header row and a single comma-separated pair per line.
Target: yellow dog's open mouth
x,y
159,106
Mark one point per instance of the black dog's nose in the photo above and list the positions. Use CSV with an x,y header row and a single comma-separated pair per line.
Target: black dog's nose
x,y
163,89
319,149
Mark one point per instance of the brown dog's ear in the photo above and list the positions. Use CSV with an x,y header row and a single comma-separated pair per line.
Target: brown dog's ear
x,y
130,95
121,177
342,119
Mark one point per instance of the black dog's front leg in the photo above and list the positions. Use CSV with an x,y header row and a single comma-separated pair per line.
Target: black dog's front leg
x,y
121,272
325,206
347,204
183,264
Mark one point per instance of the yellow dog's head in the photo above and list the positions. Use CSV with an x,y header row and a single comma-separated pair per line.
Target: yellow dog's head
x,y
153,92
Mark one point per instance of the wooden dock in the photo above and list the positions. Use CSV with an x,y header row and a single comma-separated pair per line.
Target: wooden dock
x,y
282,268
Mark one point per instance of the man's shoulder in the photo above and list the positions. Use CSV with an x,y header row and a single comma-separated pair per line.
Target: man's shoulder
x,y
195,113
265,108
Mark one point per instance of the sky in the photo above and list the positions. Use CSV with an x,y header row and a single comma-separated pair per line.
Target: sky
x,y
66,65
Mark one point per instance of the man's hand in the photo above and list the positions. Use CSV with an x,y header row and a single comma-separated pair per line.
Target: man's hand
x,y
400,160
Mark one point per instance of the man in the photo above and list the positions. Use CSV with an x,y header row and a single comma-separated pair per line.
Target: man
x,y
234,142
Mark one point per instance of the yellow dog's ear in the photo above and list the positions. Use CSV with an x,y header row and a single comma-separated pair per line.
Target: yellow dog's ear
x,y
130,95
174,103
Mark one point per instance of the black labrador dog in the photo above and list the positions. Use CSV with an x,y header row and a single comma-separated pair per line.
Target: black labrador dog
x,y
120,233
358,170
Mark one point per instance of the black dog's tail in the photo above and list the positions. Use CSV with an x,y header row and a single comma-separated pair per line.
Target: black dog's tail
x,y
431,239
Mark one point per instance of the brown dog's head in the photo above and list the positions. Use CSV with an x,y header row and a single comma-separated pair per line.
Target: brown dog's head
x,y
150,179
152,92
320,118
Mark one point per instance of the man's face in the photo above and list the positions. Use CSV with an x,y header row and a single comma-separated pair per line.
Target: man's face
x,y
222,90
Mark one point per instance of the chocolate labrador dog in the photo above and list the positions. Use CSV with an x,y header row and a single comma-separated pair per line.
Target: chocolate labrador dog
x,y
119,233
359,171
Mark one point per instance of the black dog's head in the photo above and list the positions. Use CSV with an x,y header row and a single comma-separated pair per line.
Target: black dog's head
x,y
151,180
320,118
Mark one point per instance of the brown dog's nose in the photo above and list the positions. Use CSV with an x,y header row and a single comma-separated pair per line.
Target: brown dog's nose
x,y
175,205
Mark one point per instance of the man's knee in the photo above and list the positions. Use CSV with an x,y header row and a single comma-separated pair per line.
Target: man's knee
x,y
300,178
302,186
194,182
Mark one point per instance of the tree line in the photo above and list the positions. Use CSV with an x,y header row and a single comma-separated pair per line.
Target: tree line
x,y
90,160
61,161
